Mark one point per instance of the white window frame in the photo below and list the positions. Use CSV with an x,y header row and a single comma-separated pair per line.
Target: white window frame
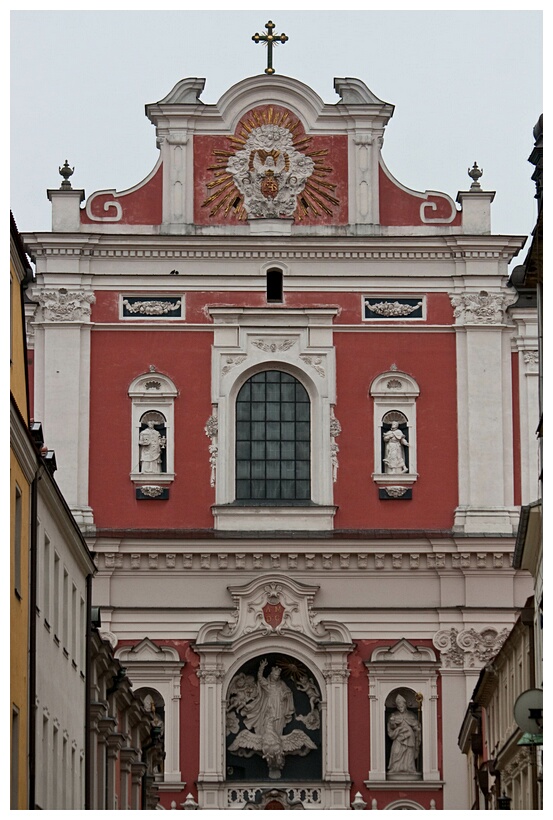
x,y
146,398
298,342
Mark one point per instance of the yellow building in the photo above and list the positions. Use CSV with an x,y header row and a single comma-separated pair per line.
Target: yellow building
x,y
23,462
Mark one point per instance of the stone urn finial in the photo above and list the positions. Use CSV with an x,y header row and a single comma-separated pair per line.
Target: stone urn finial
x,y
475,173
66,172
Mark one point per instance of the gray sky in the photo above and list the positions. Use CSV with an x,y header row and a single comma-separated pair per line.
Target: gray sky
x,y
466,85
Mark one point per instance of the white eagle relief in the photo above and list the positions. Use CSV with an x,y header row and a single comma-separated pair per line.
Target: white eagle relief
x,y
269,172
265,715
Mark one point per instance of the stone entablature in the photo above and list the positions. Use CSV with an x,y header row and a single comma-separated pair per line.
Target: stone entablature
x,y
269,558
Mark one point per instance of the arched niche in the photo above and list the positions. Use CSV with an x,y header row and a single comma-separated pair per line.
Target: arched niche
x,y
152,398
273,721
403,719
156,671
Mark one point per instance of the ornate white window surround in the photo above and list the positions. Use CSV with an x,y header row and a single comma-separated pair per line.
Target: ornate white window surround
x,y
395,390
156,392
159,668
393,667
223,647
298,342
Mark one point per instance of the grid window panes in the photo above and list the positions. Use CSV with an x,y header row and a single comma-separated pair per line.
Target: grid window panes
x,y
273,448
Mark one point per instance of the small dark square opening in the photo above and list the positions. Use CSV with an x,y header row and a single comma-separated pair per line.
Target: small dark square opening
x,y
274,285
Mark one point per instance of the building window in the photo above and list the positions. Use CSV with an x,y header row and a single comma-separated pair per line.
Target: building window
x,y
17,541
273,439
274,285
46,581
14,791
56,596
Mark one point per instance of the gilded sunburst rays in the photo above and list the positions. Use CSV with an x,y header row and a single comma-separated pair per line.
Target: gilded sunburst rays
x,y
269,170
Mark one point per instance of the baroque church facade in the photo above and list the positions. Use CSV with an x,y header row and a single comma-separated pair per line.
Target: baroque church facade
x,y
290,397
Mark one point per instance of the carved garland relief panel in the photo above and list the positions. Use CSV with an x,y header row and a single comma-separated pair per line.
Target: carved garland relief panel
x,y
270,168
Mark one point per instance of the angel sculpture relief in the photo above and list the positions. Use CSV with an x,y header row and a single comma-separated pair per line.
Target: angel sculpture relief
x,y
265,716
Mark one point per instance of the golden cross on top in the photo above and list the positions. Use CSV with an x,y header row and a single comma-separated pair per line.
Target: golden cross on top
x,y
271,40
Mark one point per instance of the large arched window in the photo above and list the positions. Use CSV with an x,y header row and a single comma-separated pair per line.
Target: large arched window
x,y
273,439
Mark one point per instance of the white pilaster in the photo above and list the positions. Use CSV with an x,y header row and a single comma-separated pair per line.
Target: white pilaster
x,y
525,343
211,722
62,388
454,704
177,158
484,398
337,709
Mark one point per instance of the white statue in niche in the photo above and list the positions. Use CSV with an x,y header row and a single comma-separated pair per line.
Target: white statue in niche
x,y
395,441
151,443
265,717
405,730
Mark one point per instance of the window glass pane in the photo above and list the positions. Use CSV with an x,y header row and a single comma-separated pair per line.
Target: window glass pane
x,y
288,430
258,469
273,392
287,450
243,449
273,430
258,411
303,490
302,431
273,489
288,392
273,411
242,411
258,430
258,392
242,430
288,411
273,469
243,489
273,449
258,449
242,469
288,469
302,450
288,489
258,489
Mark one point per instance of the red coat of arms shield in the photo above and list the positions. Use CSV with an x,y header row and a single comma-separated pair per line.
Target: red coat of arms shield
x,y
272,613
